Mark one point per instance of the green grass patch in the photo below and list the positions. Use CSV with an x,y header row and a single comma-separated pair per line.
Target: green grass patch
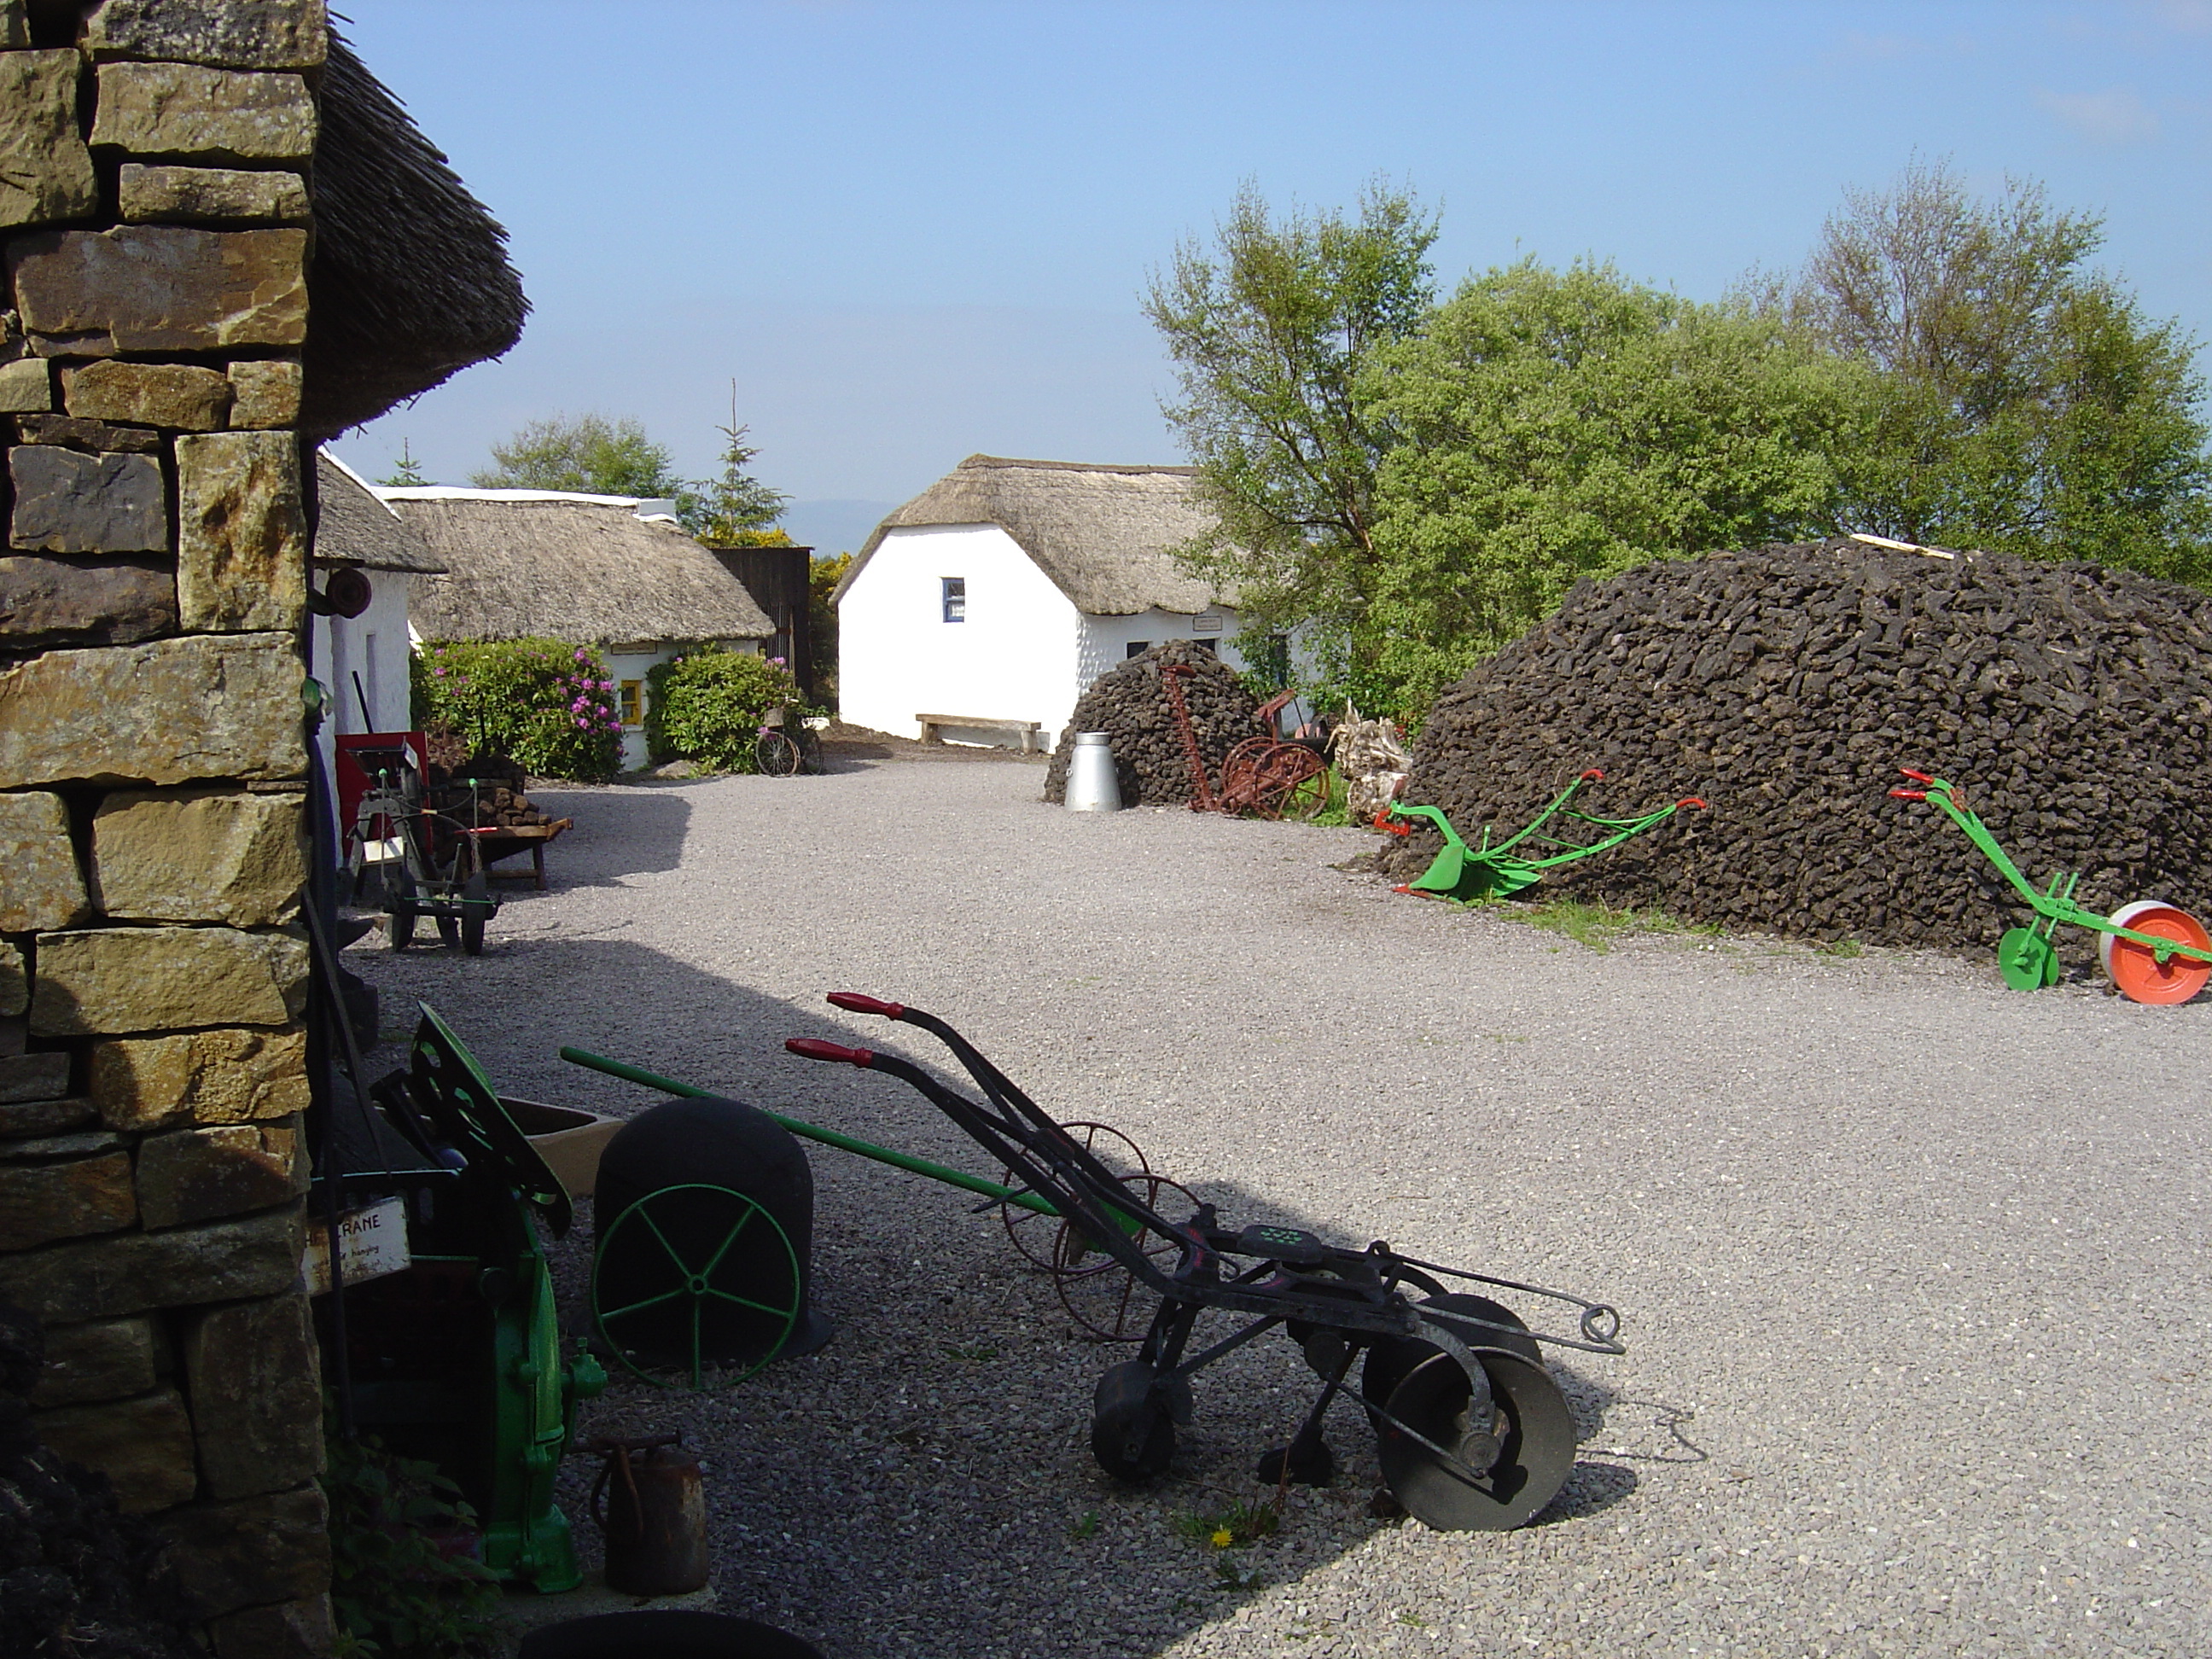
x,y
1233,1528
1843,949
1595,926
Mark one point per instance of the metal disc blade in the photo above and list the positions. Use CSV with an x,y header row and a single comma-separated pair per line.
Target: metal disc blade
x,y
1537,1444
2026,960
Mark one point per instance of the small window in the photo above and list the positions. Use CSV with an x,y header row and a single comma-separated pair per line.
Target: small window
x,y
956,599
1206,646
632,696
1138,647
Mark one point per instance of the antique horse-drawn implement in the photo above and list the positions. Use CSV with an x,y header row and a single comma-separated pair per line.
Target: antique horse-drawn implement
x,y
1475,1432
2152,951
431,863
1469,873
1264,775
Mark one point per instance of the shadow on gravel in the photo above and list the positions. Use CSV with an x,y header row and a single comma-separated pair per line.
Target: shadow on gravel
x,y
924,1484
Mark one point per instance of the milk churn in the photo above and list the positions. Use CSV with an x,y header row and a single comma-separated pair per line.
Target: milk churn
x,y
1091,784
653,1517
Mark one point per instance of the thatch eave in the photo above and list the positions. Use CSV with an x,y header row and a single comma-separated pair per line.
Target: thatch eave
x,y
1101,533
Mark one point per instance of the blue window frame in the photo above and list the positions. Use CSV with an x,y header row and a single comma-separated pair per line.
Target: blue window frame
x,y
956,598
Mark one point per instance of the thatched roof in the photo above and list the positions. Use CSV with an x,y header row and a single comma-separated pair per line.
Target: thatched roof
x,y
353,527
580,567
1101,532
409,282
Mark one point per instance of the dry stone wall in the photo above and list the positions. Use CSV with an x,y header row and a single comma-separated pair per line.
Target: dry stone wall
x,y
153,209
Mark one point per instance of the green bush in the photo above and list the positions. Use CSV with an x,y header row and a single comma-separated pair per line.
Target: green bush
x,y
548,704
706,706
405,1582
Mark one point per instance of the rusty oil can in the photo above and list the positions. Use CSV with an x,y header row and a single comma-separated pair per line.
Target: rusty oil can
x,y
653,1517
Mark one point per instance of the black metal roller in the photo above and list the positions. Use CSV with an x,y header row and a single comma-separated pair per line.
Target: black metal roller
x,y
1132,1433
1455,1475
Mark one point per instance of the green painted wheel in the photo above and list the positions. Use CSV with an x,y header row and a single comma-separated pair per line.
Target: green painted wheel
x,y
672,1288
2026,960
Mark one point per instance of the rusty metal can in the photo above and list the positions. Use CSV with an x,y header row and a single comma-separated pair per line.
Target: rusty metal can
x,y
653,1516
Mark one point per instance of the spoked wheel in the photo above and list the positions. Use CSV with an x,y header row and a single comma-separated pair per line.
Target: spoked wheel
x,y
1099,1293
2026,959
1036,1237
1240,770
692,1277
1451,1472
2135,968
775,755
1294,783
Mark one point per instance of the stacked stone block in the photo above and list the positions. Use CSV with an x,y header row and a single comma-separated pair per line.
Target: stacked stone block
x,y
154,210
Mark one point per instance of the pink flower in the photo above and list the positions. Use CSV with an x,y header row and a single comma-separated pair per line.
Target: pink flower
x,y
778,661
581,655
603,711
606,685
440,672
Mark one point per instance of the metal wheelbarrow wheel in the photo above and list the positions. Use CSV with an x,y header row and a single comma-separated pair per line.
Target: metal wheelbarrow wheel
x,y
2135,968
671,1290
1425,1391
2026,959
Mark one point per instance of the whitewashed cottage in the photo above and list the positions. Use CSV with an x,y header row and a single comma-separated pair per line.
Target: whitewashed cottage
x,y
1001,591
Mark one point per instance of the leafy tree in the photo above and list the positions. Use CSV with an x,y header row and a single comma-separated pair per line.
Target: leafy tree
x,y
736,509
822,577
2024,401
707,706
1554,425
586,454
1269,329
408,474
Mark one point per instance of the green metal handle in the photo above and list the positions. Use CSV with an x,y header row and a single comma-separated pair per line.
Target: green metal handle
x,y
921,1166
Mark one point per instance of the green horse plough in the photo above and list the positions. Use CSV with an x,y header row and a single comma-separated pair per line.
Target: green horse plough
x,y
1559,835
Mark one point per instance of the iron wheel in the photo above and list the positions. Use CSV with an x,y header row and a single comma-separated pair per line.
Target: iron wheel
x,y
775,755
1533,1430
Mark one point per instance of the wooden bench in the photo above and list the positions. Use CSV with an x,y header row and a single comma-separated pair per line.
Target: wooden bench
x,y
1025,729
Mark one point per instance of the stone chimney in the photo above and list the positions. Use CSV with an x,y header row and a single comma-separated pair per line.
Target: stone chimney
x,y
154,160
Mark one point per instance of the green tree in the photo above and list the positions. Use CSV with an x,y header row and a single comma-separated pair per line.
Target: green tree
x,y
823,576
1553,425
736,509
1269,328
586,454
408,473
2024,401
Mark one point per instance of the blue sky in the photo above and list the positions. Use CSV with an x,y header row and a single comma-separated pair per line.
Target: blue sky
x,y
913,232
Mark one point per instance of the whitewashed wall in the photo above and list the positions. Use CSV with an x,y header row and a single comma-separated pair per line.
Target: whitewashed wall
x,y
1106,640
631,663
1015,657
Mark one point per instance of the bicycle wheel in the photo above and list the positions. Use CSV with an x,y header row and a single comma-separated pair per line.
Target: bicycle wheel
x,y
775,755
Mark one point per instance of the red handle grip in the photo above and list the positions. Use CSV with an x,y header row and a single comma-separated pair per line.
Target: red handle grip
x,y
1593,776
815,1049
1917,777
1908,795
1691,801
856,1003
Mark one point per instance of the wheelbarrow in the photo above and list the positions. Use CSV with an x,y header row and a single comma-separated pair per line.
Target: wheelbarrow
x,y
2152,952
432,865
1474,1431
1466,874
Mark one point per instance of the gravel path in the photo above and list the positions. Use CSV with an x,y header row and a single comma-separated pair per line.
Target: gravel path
x,y
1910,1264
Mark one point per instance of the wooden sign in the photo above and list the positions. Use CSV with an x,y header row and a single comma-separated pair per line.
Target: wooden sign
x,y
372,1240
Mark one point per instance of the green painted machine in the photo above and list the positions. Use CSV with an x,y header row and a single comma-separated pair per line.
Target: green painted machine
x,y
1559,835
458,1358
2152,952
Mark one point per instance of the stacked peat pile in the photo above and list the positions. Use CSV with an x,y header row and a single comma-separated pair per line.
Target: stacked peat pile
x,y
1129,703
1786,685
484,788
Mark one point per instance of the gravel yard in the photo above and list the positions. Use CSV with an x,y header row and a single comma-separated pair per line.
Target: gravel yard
x,y
1910,1266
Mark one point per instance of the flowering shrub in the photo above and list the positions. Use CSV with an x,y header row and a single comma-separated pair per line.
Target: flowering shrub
x,y
707,706
547,703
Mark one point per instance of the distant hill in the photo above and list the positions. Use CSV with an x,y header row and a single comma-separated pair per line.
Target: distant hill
x,y
832,527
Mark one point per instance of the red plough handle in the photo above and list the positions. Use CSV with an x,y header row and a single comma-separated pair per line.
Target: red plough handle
x,y
815,1049
854,1002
